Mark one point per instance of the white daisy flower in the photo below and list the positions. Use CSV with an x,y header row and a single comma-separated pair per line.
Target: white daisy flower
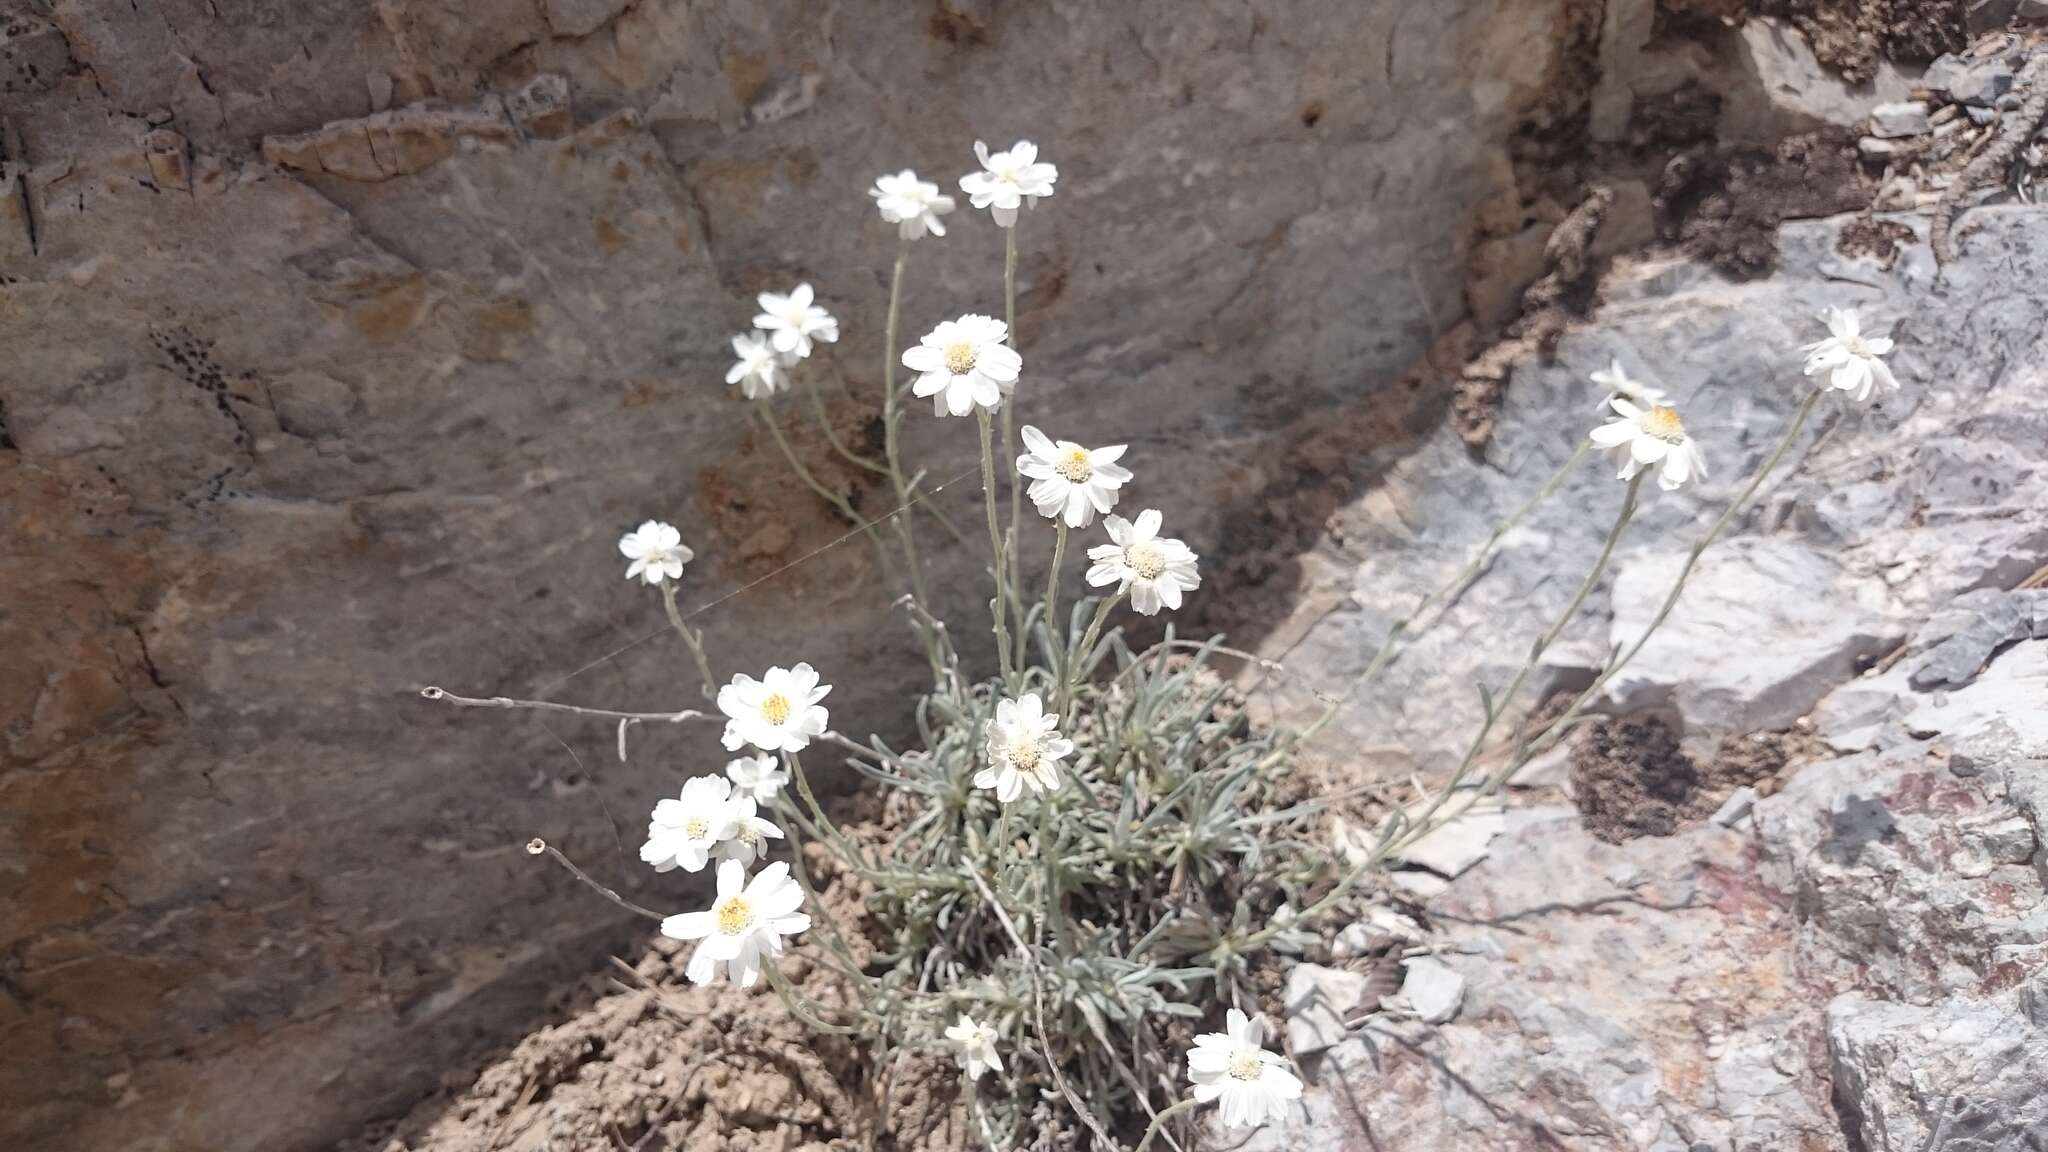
x,y
1850,360
793,322
1155,572
911,204
656,551
1617,383
1024,748
964,362
777,713
1641,437
1233,1067
758,371
974,1047
750,834
744,926
1008,179
758,778
683,830
1069,481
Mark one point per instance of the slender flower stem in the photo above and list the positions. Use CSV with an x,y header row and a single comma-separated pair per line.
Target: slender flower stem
x,y
1072,679
1401,628
1558,727
1049,849
892,422
999,608
1411,829
1397,836
442,694
832,436
1543,642
1052,586
1171,1110
694,641
537,846
826,494
1009,414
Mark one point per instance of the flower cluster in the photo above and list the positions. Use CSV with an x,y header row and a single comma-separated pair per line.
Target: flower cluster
x,y
720,817
1644,430
1004,735
786,331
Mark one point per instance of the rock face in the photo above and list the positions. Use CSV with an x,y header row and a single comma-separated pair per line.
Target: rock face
x,y
1850,959
1892,512
343,343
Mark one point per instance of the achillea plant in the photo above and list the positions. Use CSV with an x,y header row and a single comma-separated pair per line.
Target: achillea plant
x,y
1094,847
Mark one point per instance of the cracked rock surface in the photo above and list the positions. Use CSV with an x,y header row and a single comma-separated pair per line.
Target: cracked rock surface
x,y
344,339
1851,959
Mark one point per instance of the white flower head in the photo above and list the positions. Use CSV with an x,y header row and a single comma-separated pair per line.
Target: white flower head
x,y
758,778
1024,749
1642,437
1068,481
744,926
656,551
911,204
1007,180
1155,572
1233,1067
777,713
683,831
758,370
974,1046
792,322
1618,383
750,833
964,362
1852,361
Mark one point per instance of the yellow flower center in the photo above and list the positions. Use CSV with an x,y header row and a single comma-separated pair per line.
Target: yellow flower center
x,y
1247,1065
697,828
735,915
750,835
960,358
1663,423
1024,753
775,709
1074,467
1145,560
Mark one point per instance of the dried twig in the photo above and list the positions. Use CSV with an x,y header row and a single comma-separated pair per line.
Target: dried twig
x,y
2011,135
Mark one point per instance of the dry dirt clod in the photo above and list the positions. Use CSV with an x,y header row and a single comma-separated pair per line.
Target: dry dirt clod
x,y
1547,307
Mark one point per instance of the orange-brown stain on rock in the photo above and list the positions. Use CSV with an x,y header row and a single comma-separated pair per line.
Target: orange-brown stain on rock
x,y
79,707
746,74
393,311
609,237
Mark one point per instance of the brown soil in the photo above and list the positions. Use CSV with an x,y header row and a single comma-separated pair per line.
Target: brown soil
x,y
1880,240
1630,778
1850,36
647,1062
1723,206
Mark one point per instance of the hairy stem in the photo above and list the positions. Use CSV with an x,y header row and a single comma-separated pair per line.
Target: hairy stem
x,y
831,434
1009,409
694,641
1052,589
1152,1129
999,608
906,529
1072,679
1419,825
1557,728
